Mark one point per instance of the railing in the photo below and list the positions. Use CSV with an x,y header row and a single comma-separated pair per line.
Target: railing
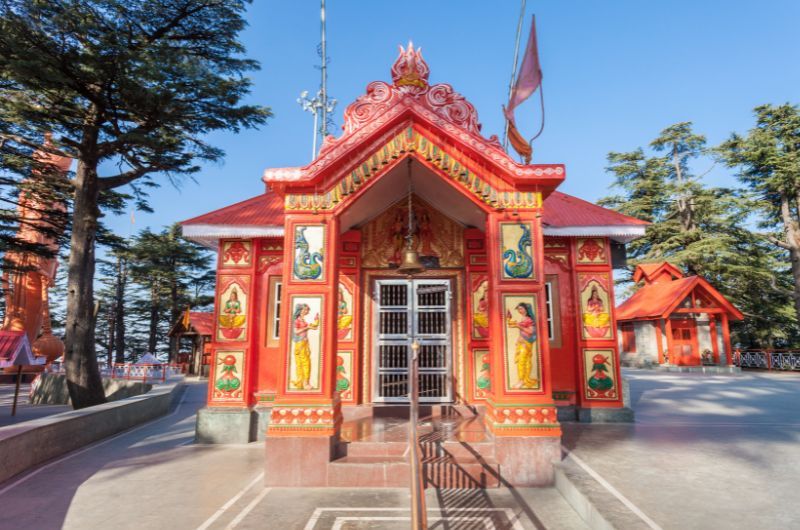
x,y
154,373
419,513
784,360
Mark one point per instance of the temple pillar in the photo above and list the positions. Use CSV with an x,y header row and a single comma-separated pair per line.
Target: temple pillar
x,y
599,375
520,410
227,418
349,316
478,358
305,419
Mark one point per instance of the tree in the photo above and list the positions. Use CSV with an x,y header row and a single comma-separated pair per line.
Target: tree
x,y
768,161
111,324
173,273
704,230
133,85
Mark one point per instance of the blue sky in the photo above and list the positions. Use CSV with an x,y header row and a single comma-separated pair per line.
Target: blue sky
x,y
615,74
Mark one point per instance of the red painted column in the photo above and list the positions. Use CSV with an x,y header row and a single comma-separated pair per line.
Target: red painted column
x,y
478,298
303,432
231,377
349,315
600,378
521,402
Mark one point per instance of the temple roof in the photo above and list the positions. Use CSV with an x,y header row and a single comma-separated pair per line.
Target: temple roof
x,y
565,215
262,216
201,322
660,300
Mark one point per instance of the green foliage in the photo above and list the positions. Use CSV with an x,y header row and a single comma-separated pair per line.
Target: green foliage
x,y
704,230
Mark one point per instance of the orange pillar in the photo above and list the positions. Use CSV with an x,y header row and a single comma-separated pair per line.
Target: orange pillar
x,y
726,338
303,431
520,410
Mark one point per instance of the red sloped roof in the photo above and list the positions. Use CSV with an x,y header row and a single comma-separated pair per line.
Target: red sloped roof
x,y
202,322
561,209
648,271
659,300
262,210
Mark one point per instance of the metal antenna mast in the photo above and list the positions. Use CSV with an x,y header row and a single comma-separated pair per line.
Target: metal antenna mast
x,y
320,106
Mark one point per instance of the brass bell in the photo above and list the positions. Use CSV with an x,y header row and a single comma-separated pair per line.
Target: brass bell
x,y
411,264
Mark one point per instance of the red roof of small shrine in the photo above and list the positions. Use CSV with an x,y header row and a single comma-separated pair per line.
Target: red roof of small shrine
x,y
15,350
653,271
202,322
659,300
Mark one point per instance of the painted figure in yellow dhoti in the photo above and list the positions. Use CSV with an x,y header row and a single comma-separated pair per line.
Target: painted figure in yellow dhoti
x,y
302,351
523,356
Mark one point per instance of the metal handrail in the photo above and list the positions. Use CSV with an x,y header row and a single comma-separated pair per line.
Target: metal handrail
x,y
419,514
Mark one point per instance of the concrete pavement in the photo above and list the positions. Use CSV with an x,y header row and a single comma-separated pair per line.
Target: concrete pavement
x,y
706,451
154,477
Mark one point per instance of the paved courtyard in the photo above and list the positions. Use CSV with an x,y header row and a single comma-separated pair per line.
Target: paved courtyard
x,y
706,452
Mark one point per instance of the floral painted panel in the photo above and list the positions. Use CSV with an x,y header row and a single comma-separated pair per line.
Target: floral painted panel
x,y
592,251
228,375
483,373
599,374
344,375
309,245
305,356
237,253
521,346
517,250
232,307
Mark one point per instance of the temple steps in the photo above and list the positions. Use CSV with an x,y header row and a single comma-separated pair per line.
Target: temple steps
x,y
444,465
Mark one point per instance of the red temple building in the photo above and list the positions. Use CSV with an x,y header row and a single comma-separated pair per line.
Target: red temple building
x,y
196,327
675,320
513,314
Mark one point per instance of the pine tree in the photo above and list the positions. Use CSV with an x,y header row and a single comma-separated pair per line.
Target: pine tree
x,y
172,273
704,230
130,84
768,160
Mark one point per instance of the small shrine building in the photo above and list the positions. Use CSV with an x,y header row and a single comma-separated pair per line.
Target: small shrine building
x,y
196,328
675,320
513,315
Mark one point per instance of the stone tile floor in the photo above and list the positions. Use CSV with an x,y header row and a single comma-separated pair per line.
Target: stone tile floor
x,y
706,452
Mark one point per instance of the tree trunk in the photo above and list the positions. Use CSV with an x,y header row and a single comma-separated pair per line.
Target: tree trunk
x,y
174,314
83,376
791,230
151,340
111,329
119,317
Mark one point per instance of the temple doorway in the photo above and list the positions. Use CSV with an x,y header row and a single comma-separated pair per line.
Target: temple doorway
x,y
406,311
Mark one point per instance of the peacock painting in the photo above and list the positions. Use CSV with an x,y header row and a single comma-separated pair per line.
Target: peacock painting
x,y
517,263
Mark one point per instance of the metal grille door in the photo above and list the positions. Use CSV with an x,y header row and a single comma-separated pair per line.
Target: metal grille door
x,y
404,311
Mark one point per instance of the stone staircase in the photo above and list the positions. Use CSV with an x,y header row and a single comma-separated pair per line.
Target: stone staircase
x,y
457,453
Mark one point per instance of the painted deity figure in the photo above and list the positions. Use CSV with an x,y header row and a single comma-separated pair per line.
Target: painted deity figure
x,y
426,233
523,355
595,318
484,379
480,317
398,236
231,320
302,350
345,320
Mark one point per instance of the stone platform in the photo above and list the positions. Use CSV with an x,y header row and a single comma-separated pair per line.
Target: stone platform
x,y
372,451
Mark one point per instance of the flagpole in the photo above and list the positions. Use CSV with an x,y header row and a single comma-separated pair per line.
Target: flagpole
x,y
514,70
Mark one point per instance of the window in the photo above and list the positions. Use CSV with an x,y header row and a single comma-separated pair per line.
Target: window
x,y
551,303
548,296
276,310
